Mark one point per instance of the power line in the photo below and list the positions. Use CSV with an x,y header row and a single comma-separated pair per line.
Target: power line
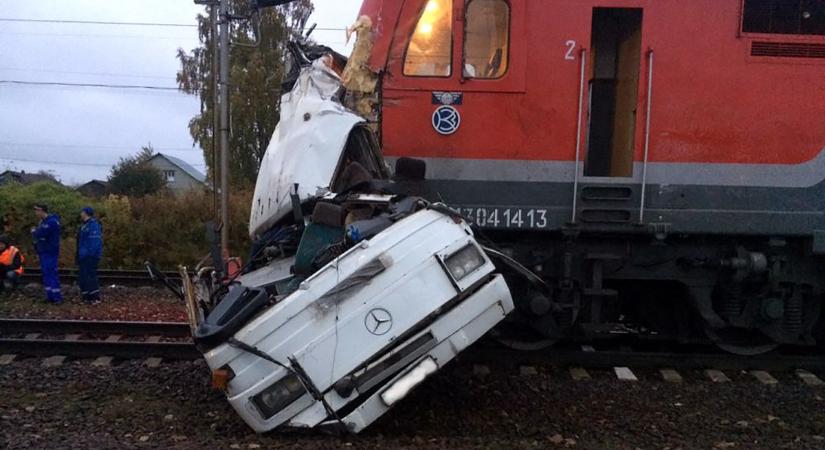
x,y
98,22
92,85
67,163
140,24
106,36
56,162
70,72
99,147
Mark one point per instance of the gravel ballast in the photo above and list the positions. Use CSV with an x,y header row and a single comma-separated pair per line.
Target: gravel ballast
x,y
119,303
172,406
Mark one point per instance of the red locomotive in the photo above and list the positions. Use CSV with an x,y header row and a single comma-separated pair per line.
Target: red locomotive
x,y
658,163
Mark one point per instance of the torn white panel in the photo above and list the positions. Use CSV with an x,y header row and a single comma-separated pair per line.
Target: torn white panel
x,y
305,148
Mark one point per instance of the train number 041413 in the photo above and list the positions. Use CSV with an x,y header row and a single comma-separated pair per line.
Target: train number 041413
x,y
498,217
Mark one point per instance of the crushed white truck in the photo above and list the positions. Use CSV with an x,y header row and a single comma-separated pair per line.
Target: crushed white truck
x,y
356,291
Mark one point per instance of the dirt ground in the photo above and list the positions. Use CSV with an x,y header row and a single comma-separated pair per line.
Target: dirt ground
x,y
131,406
119,303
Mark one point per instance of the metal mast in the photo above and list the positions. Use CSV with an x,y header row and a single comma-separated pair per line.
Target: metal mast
x,y
223,17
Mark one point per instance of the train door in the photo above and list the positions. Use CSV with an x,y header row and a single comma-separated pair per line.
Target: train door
x,y
614,91
609,194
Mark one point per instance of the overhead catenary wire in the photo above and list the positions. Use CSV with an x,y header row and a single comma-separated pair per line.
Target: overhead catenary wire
x,y
94,146
101,74
91,85
118,23
97,22
68,163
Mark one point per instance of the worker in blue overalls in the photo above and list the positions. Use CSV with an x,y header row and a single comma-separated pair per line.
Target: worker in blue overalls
x,y
47,243
89,251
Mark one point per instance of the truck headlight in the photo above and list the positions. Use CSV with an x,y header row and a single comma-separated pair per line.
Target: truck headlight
x,y
463,262
273,399
411,379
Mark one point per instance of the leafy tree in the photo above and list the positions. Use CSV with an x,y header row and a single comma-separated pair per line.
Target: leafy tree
x,y
255,75
132,176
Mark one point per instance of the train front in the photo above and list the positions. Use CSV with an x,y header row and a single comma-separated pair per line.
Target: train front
x,y
356,292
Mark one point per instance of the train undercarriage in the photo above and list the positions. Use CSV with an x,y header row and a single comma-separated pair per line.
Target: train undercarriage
x,y
747,296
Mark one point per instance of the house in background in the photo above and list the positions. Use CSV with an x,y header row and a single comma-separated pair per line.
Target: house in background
x,y
10,176
180,176
94,189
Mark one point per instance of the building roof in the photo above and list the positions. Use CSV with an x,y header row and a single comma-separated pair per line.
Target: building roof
x,y
27,178
183,165
100,182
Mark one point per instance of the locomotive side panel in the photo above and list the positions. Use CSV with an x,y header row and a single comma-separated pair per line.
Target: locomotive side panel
x,y
663,144
723,124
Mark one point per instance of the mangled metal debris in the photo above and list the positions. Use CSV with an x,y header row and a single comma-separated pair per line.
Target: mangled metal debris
x,y
358,292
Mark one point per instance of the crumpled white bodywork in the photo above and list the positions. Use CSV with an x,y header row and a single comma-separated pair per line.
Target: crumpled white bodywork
x,y
305,149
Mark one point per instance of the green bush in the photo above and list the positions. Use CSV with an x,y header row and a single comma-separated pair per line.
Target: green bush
x,y
165,229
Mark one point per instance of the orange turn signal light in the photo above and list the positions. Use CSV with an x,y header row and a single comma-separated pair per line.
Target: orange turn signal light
x,y
220,378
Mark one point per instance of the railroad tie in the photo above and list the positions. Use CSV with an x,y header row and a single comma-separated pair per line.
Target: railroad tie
x,y
588,348
480,370
809,378
32,336
625,374
671,375
579,373
764,377
6,359
54,361
153,339
102,361
153,362
114,338
717,376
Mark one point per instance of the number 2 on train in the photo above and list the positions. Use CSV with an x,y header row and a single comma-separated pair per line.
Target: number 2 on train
x,y
571,47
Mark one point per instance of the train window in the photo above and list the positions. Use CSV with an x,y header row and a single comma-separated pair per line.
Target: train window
x,y
486,39
430,51
784,17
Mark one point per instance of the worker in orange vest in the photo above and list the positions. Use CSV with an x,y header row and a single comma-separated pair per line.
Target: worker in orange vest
x,y
11,264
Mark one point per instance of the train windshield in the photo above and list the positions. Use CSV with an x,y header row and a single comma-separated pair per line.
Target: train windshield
x,y
486,38
429,52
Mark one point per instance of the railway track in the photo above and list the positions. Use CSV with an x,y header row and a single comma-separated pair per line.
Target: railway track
x,y
87,339
106,276
701,358
171,341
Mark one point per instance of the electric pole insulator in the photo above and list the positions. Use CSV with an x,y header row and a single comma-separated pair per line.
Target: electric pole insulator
x,y
258,4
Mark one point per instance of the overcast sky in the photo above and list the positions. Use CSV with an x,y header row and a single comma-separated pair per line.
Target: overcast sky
x,y
77,133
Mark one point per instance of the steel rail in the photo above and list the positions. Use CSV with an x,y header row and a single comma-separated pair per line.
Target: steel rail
x,y
27,326
114,276
102,272
645,359
87,349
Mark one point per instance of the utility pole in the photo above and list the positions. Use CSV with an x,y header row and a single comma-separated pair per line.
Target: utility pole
x,y
223,17
213,33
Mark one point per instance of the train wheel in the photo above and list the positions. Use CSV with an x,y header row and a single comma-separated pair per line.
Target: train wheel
x,y
517,338
741,342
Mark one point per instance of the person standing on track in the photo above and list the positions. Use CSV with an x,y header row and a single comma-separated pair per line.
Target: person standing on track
x,y
47,243
89,251
11,265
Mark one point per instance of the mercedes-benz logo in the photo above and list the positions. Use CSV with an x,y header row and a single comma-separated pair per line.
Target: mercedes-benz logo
x,y
446,120
378,321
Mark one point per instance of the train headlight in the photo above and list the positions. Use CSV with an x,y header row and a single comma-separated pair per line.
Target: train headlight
x,y
273,399
464,262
